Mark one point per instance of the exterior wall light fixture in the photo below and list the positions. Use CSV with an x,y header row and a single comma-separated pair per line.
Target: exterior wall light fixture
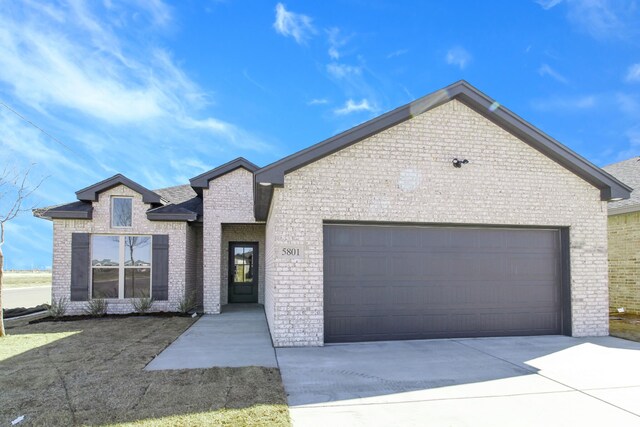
x,y
457,163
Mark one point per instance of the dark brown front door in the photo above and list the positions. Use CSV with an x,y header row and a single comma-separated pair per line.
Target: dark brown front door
x,y
243,272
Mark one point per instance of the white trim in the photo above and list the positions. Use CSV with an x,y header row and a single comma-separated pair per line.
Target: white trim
x,y
121,268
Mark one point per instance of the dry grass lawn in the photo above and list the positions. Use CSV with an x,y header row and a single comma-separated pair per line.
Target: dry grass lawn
x,y
25,279
91,373
625,326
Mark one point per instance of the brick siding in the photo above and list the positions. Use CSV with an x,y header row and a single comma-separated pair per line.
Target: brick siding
x,y
101,224
624,262
228,200
404,174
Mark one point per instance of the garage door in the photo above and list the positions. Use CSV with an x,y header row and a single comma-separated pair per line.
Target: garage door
x,y
406,282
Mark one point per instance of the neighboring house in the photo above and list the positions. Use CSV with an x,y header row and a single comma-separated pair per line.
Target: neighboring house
x,y
447,217
624,240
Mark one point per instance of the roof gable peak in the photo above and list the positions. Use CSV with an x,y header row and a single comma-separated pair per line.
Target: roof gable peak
x,y
202,181
91,193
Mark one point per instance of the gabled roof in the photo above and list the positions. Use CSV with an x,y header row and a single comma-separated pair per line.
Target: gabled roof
x,y
273,174
627,171
90,194
182,203
202,181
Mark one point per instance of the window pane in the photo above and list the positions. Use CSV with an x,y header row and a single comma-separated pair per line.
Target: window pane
x,y
137,251
121,211
105,283
243,263
137,282
105,251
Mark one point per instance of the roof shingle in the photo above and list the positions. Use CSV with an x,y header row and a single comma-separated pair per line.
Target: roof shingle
x,y
627,171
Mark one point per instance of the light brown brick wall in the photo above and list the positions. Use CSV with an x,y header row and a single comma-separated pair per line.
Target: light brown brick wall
x,y
404,174
101,224
624,262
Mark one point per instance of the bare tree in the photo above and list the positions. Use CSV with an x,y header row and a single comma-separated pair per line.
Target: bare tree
x,y
15,191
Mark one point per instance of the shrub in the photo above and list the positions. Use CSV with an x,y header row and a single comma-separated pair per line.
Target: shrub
x,y
187,303
97,307
58,307
142,305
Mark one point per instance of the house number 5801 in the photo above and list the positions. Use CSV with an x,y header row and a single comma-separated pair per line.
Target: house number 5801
x,y
292,252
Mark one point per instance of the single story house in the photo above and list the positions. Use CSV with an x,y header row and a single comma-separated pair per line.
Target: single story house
x,y
624,240
447,217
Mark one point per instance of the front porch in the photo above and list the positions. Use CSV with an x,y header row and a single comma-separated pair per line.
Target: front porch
x,y
233,265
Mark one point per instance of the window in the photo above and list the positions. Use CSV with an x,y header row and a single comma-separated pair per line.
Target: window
x,y
121,211
121,266
243,264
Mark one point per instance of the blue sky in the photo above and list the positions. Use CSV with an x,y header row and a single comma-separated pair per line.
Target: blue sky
x,y
164,91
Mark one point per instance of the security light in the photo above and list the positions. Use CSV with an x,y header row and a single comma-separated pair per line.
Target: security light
x,y
458,163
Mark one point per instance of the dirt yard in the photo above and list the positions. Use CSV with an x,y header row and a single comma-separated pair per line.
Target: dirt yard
x,y
90,372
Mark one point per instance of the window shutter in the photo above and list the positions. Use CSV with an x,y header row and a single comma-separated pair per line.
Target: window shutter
x,y
160,268
80,266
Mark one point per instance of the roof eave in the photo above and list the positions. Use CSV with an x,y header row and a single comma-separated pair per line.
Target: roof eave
x,y
50,215
156,216
274,173
202,181
91,193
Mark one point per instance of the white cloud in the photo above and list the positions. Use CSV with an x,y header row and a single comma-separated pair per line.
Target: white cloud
x,y
353,107
458,56
336,42
45,66
605,19
546,70
397,53
340,71
291,24
566,104
601,19
76,61
195,165
318,101
159,12
633,73
548,4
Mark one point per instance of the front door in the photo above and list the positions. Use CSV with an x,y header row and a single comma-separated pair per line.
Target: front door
x,y
243,272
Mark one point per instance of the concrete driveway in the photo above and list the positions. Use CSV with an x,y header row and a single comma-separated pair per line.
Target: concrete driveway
x,y
549,380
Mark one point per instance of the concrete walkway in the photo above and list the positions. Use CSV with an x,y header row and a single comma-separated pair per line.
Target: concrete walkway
x,y
237,337
523,381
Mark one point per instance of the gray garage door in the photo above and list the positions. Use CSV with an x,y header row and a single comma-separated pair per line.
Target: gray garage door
x,y
406,282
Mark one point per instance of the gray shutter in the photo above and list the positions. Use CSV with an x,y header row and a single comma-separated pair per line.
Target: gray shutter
x,y
80,266
160,268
